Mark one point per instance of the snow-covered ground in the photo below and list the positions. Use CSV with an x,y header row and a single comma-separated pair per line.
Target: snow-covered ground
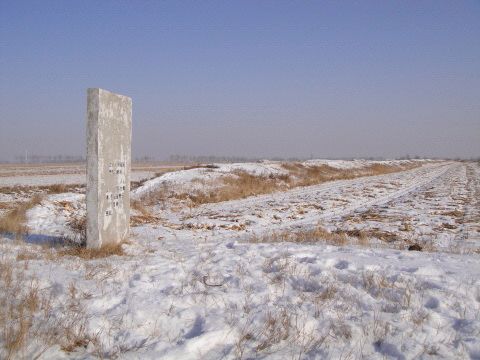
x,y
66,174
206,177
193,286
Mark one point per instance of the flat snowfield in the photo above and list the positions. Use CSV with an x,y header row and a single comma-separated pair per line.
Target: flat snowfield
x,y
67,174
294,272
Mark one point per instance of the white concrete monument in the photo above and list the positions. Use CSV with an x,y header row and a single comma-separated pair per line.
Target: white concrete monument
x,y
109,134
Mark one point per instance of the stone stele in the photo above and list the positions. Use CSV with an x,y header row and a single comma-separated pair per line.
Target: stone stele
x,y
109,136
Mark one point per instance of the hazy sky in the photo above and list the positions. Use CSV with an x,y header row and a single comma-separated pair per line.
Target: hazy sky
x,y
247,78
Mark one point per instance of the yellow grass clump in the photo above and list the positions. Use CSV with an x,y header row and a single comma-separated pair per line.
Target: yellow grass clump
x,y
92,253
14,220
318,234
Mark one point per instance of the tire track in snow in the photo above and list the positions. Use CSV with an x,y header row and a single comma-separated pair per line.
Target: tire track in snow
x,y
320,188
468,232
433,176
410,181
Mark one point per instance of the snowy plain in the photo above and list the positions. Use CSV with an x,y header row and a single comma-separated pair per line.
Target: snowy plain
x,y
193,284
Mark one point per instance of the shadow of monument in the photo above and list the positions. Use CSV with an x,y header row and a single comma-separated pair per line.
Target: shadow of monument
x,y
38,239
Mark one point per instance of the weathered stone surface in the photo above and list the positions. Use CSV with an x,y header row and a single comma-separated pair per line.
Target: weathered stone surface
x,y
109,133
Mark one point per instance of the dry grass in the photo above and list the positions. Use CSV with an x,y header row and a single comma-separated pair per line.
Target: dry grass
x,y
89,254
370,215
41,189
449,226
19,302
365,234
14,220
311,175
241,184
58,188
279,327
79,227
79,224
28,326
200,166
145,216
50,253
318,234
136,220
139,206
453,213
4,205
25,254
276,327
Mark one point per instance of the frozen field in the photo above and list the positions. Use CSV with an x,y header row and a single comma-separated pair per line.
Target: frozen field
x,y
68,174
307,272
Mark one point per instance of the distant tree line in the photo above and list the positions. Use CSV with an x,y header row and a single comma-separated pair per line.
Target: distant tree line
x,y
239,159
33,159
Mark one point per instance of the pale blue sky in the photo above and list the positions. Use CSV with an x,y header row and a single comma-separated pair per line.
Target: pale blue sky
x,y
247,78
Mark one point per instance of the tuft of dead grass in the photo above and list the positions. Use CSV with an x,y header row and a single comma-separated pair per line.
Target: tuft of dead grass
x,y
306,175
318,234
453,213
41,189
79,227
365,234
89,254
27,255
200,166
145,216
28,323
139,206
18,303
239,185
14,220
337,237
4,205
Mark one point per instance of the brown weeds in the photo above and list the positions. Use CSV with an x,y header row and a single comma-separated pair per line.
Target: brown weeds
x,y
4,205
43,189
364,235
14,220
79,227
89,254
311,175
145,216
241,184
318,234
26,316
453,213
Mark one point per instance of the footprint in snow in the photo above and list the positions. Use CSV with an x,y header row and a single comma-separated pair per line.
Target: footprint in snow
x,y
342,264
388,350
197,329
135,278
432,303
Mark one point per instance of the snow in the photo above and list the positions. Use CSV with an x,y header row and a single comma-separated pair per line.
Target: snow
x,y
182,180
209,176
66,174
359,163
193,287
52,215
